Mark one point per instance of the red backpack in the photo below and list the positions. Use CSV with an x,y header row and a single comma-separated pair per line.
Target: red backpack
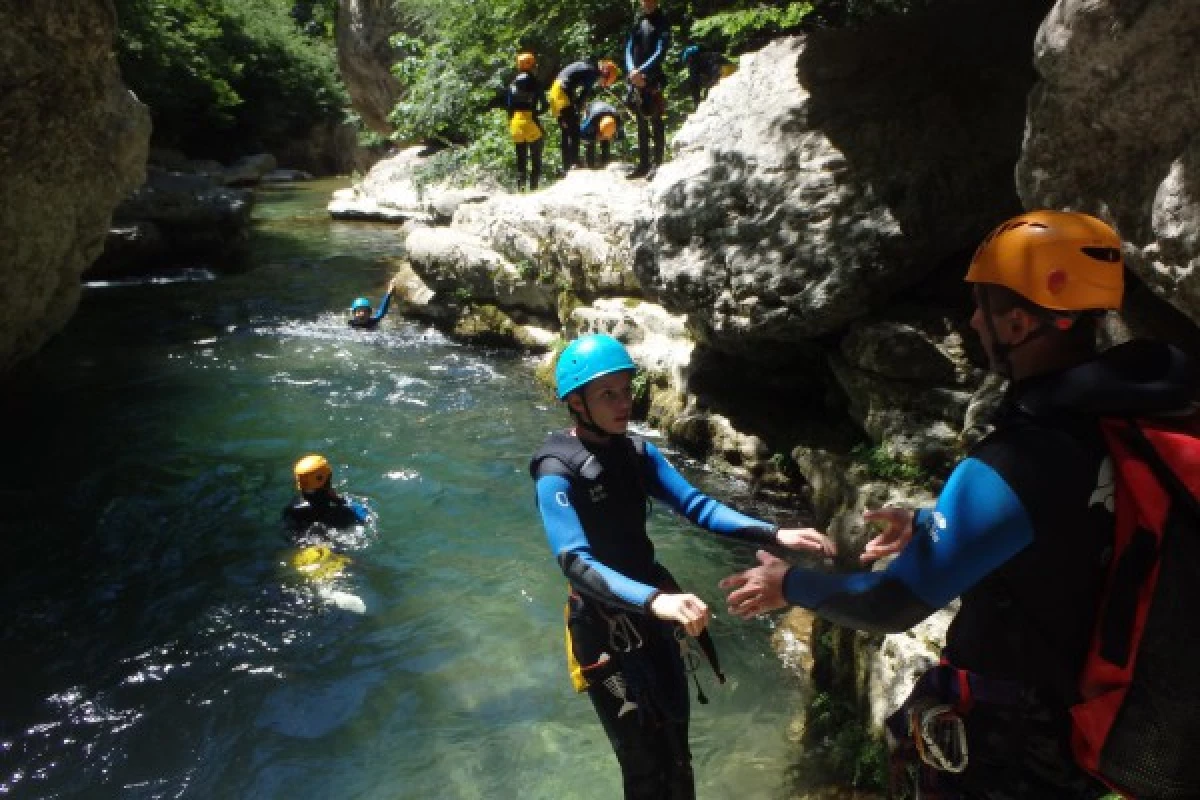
x,y
1137,727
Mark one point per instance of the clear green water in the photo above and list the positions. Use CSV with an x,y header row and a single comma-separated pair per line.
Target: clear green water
x,y
153,644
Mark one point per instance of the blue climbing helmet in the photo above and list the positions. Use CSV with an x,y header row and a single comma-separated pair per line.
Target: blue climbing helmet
x,y
587,358
687,53
360,302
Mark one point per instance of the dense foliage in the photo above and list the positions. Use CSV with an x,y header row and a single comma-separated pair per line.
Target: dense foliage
x,y
227,77
456,55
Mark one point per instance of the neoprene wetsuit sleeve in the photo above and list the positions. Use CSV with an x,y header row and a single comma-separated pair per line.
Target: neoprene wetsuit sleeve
x,y
384,304
666,484
977,525
570,546
660,49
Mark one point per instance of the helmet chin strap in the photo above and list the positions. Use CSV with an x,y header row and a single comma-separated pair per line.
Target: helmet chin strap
x,y
585,422
1002,351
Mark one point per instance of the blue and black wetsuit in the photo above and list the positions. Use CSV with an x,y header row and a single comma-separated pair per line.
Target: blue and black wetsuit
x,y
704,72
594,501
373,320
308,517
526,96
578,82
589,129
645,50
1020,532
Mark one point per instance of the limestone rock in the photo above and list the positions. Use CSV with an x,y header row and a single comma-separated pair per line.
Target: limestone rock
x,y
365,59
1114,129
391,192
73,142
830,171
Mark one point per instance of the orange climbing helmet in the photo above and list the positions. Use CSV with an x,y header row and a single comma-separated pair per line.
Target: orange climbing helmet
x,y
608,72
606,129
313,473
1059,260
526,62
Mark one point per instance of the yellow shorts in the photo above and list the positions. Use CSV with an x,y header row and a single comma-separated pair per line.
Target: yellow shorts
x,y
558,99
318,562
523,128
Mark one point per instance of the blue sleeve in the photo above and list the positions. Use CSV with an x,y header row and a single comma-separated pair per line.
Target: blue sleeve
x,y
659,51
571,548
383,307
978,524
360,511
629,65
666,484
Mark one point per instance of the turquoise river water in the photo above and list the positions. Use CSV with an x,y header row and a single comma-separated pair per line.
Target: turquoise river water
x,y
154,643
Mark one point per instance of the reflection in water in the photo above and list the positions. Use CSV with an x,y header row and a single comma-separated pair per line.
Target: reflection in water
x,y
158,641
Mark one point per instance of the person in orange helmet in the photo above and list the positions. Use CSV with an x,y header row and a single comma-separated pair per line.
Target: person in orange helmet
x,y
602,125
1021,531
570,93
524,101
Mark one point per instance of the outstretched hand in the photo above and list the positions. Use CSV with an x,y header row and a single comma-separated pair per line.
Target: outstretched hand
x,y
809,540
896,533
758,589
688,610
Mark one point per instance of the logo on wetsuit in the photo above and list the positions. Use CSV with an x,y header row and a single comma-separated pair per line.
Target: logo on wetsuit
x,y
597,494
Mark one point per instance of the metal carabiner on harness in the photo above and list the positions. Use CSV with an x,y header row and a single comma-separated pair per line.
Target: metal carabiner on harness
x,y
940,737
623,635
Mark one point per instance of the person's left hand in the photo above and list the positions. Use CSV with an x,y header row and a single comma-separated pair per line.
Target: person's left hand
x,y
808,540
637,79
757,590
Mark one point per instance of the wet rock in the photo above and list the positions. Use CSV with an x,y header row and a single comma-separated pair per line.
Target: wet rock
x,y
73,142
365,58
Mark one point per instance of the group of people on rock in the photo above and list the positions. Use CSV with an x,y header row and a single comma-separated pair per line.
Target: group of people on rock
x,y
583,119
1022,533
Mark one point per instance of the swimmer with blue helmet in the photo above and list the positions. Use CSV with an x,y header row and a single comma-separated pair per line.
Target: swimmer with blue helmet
x,y
360,310
627,619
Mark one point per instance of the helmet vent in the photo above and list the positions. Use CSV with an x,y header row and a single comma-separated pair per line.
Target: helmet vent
x,y
1109,255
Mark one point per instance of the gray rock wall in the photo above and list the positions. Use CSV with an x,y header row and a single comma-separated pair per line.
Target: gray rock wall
x,y
72,143
1114,129
365,59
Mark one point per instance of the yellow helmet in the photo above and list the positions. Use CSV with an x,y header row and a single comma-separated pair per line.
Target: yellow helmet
x,y
607,128
1059,260
608,72
313,473
526,62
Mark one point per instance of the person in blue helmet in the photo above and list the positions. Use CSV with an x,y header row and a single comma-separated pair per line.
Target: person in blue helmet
x,y
627,619
705,69
360,310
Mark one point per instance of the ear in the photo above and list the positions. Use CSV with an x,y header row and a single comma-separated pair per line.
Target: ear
x,y
1020,325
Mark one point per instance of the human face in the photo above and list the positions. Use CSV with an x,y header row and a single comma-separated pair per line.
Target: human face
x,y
649,5
609,402
362,313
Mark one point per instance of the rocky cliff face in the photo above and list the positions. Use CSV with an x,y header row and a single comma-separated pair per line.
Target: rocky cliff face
x,y
72,143
1114,129
365,59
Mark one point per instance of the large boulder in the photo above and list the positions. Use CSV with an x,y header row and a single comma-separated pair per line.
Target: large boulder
x,y
365,58
393,191
833,170
1114,129
73,142
177,219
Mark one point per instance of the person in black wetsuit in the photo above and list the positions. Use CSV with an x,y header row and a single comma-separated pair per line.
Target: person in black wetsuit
x,y
601,124
318,508
627,618
645,51
705,69
524,101
570,93
360,310
1022,528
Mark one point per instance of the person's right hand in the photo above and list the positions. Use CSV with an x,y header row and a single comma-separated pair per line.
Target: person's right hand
x,y
637,78
896,533
686,609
